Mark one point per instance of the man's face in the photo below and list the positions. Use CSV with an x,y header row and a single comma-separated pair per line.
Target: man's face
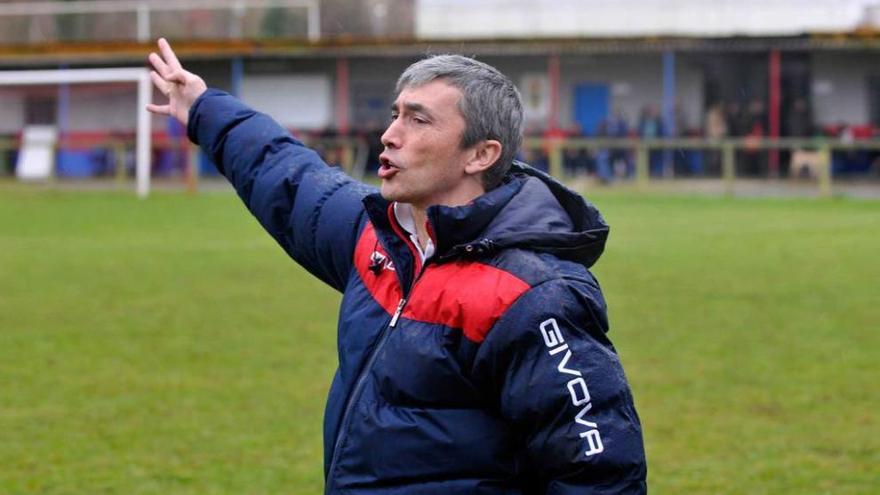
x,y
423,163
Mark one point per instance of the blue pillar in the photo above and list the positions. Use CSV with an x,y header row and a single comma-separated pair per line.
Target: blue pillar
x,y
62,124
669,108
237,66
669,93
63,115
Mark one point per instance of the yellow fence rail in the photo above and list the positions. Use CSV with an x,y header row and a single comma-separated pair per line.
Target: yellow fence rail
x,y
821,149
351,154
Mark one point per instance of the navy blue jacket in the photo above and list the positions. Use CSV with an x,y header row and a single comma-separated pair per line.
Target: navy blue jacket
x,y
486,371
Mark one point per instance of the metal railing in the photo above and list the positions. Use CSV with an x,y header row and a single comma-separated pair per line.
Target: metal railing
x,y
351,153
117,157
819,149
143,21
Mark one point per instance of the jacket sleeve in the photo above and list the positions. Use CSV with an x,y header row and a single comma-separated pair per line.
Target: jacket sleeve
x,y
557,379
312,210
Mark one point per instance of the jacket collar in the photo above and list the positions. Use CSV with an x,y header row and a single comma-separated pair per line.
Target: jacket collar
x,y
529,210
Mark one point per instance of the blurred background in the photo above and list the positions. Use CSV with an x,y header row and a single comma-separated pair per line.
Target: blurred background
x,y
614,91
168,346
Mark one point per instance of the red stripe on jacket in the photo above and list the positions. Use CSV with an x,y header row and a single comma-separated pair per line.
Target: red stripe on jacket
x,y
464,294
382,284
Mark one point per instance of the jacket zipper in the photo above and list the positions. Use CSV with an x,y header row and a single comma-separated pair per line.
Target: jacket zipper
x,y
343,425
362,378
394,318
359,384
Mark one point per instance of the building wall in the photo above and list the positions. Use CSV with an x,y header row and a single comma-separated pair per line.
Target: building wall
x,y
216,73
301,101
840,87
371,90
591,18
93,109
299,94
634,81
12,116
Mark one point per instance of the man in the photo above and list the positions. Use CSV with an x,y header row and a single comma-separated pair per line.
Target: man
x,y
472,347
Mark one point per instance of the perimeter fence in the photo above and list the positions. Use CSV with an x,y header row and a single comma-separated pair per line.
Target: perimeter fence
x,y
820,164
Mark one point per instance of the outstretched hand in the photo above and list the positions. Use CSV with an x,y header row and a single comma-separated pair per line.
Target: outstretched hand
x,y
180,86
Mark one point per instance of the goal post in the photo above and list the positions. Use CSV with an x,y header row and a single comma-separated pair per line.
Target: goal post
x,y
139,76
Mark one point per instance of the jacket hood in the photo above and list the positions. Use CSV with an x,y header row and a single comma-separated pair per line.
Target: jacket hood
x,y
529,210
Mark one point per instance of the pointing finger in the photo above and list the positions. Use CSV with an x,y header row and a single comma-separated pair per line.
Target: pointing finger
x,y
159,64
168,54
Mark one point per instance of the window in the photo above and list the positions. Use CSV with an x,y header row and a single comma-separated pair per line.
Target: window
x,y
40,110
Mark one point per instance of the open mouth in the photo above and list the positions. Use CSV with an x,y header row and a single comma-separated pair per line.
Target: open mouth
x,y
387,168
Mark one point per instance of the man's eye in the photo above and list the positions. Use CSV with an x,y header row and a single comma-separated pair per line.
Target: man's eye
x,y
419,120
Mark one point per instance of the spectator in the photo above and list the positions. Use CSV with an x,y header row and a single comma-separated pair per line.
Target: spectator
x,y
686,161
755,130
799,123
716,124
651,127
603,157
715,130
618,127
575,159
800,120
734,116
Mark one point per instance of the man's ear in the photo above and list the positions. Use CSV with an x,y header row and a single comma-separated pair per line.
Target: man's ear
x,y
484,155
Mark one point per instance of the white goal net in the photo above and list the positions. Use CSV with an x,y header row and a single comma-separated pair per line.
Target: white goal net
x,y
77,124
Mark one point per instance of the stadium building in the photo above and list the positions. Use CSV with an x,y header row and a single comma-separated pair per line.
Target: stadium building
x,y
586,68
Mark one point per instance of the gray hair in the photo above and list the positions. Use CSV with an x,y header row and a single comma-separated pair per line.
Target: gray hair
x,y
490,104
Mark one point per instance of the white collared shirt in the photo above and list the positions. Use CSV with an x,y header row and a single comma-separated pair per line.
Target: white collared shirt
x,y
403,213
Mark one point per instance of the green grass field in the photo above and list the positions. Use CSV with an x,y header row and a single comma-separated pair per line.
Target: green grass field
x,y
168,346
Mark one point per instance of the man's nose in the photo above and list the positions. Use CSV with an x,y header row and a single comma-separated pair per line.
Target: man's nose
x,y
391,137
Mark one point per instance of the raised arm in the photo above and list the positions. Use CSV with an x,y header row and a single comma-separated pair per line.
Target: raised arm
x,y
312,210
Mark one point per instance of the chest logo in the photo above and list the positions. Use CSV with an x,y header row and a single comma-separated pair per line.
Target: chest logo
x,y
379,262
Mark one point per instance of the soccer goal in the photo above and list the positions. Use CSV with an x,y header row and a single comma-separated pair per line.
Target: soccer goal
x,y
112,101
